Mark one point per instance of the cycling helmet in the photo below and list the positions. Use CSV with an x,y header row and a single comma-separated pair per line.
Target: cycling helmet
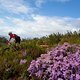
x,y
10,33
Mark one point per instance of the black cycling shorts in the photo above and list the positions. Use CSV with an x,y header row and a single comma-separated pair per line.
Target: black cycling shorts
x,y
17,39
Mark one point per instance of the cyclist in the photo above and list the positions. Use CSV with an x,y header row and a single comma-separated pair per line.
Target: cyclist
x,y
14,36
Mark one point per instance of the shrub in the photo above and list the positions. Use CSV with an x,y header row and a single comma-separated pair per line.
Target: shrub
x,y
63,62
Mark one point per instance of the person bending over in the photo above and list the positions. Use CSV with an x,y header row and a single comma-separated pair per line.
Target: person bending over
x,y
14,36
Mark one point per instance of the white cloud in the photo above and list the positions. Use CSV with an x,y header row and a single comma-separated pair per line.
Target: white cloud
x,y
1,22
39,2
15,6
40,26
43,25
76,23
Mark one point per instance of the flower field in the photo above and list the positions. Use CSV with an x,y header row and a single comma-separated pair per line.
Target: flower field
x,y
54,57
61,63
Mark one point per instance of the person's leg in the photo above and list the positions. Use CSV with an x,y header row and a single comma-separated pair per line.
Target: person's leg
x,y
17,40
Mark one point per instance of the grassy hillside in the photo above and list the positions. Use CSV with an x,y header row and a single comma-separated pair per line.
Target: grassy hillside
x,y
14,60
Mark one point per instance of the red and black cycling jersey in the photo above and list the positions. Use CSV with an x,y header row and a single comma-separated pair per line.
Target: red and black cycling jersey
x,y
13,36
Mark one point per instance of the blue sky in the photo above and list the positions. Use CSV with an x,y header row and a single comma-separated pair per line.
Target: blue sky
x,y
37,18
68,8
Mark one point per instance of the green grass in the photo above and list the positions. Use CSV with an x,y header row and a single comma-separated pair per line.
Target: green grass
x,y
10,55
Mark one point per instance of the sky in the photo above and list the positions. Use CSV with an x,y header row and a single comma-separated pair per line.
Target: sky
x,y
37,18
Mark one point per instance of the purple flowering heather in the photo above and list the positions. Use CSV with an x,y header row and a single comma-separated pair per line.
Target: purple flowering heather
x,y
23,61
61,63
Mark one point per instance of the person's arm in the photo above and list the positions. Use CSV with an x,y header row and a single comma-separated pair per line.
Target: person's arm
x,y
9,38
